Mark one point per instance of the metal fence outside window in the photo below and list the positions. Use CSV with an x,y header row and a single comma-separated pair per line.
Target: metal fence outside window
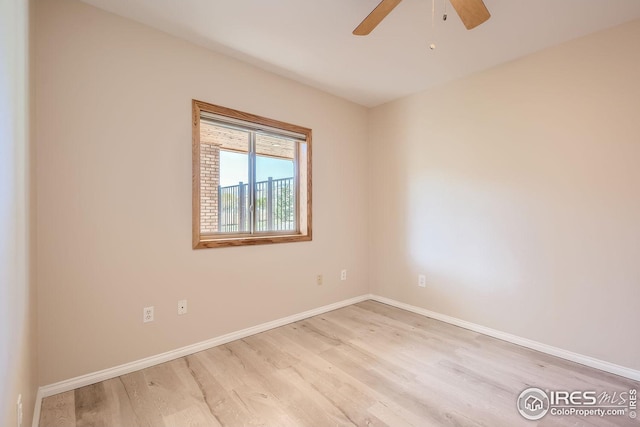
x,y
274,210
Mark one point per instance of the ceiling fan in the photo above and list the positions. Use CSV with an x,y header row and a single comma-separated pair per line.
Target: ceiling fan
x,y
471,12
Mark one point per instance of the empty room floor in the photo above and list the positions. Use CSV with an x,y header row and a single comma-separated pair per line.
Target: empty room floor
x,y
368,364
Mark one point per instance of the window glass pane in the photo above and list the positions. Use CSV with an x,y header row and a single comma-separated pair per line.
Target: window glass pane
x,y
275,186
224,179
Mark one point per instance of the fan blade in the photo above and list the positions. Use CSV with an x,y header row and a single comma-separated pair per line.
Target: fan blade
x,y
375,17
471,12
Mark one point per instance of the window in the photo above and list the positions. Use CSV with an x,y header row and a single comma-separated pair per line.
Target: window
x,y
251,179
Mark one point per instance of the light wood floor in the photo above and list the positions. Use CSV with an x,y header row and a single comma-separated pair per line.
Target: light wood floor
x,y
367,365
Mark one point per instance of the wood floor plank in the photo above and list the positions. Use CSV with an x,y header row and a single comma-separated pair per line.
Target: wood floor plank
x,y
103,404
345,393
307,409
245,382
137,388
368,364
308,337
168,377
260,356
222,405
58,410
397,386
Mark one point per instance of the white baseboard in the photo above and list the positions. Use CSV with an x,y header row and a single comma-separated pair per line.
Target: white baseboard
x,y
37,408
524,342
105,374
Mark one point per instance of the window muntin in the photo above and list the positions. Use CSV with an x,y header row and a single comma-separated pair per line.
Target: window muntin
x,y
252,179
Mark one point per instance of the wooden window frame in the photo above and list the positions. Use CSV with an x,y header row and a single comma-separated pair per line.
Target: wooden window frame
x,y
201,241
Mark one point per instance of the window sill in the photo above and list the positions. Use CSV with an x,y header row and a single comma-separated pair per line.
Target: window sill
x,y
225,242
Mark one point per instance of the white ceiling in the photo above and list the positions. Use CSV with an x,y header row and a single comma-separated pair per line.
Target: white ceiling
x,y
310,40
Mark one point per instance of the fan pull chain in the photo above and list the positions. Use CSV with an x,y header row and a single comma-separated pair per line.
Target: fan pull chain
x,y
432,46
444,16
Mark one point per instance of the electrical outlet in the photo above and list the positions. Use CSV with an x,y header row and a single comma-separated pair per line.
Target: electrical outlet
x,y
147,314
343,274
182,307
422,280
19,410
319,280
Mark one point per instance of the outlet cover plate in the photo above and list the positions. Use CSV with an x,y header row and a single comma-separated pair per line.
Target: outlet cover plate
x,y
147,314
182,307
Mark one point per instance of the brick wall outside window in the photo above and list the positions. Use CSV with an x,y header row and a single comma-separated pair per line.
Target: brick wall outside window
x,y
209,182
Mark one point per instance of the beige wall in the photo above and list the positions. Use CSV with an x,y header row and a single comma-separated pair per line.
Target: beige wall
x,y
17,289
114,194
516,191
